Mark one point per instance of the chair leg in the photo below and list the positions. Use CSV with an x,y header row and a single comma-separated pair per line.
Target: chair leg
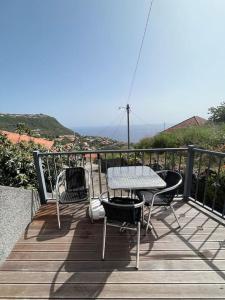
x,y
58,214
104,238
90,214
138,245
149,218
122,229
171,206
142,215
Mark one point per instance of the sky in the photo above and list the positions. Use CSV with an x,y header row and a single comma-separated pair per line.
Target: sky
x,y
74,59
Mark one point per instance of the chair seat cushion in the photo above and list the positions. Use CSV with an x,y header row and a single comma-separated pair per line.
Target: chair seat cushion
x,y
123,210
124,200
72,197
160,200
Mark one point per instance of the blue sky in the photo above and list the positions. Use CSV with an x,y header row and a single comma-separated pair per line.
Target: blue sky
x,y
74,59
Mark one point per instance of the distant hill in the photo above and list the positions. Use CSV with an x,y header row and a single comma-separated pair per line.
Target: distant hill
x,y
38,123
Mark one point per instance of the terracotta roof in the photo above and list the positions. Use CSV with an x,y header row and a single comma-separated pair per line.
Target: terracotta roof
x,y
92,155
193,121
16,138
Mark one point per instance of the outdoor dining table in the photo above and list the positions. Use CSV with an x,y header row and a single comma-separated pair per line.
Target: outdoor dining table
x,y
134,178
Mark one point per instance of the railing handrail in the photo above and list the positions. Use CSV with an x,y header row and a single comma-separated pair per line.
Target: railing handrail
x,y
210,152
113,151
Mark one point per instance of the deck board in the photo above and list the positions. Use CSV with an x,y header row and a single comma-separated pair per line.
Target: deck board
x,y
186,263
113,291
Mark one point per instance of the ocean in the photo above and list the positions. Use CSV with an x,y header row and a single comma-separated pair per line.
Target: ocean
x,y
137,132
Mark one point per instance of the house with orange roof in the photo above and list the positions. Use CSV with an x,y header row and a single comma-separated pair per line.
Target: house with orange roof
x,y
16,138
193,121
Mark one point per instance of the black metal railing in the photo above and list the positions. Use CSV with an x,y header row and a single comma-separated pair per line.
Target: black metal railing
x,y
203,171
49,164
208,180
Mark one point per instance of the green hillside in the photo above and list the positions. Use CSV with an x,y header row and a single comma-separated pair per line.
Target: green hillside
x,y
38,123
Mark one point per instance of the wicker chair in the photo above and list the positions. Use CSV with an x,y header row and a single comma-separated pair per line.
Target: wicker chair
x,y
162,197
72,185
124,213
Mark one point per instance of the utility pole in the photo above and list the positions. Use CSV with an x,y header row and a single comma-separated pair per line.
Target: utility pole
x,y
128,123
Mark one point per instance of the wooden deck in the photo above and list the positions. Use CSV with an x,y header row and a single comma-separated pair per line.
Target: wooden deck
x,y
174,263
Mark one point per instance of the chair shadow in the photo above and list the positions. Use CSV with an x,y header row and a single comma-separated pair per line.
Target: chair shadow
x,y
48,228
87,274
81,273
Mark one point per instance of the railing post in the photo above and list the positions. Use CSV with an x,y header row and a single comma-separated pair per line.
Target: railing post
x,y
40,177
189,172
99,173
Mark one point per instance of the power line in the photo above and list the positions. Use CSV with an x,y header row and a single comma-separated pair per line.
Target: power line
x,y
140,119
113,123
163,124
118,127
139,53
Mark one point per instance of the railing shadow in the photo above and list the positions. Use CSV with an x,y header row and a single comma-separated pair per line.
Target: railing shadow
x,y
47,231
82,273
49,226
204,255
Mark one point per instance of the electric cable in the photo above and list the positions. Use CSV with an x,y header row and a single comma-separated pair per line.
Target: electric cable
x,y
117,119
139,53
140,119
119,125
162,124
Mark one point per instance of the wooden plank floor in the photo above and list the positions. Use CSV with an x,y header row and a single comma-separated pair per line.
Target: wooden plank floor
x,y
186,263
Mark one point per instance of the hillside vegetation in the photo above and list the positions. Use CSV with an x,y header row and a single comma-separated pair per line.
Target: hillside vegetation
x,y
44,125
208,136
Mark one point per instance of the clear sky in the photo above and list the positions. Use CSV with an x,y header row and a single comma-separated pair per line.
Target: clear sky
x,y
74,59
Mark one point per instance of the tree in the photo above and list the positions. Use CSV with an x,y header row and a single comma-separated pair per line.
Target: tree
x,y
22,128
217,113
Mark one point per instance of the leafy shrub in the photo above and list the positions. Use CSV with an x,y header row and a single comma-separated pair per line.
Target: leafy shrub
x,y
165,141
210,188
209,136
17,164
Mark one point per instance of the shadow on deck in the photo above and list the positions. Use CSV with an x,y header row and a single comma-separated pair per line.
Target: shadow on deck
x,y
174,263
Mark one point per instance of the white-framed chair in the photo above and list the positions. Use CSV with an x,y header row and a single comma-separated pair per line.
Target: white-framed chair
x,y
163,197
72,185
125,213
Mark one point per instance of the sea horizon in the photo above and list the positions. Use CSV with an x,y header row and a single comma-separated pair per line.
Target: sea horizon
x,y
137,132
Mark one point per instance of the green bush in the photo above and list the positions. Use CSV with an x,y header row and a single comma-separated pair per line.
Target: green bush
x,y
17,164
212,188
209,136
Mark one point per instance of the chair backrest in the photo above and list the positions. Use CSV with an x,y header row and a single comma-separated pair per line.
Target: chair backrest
x,y
123,209
173,180
170,177
75,179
